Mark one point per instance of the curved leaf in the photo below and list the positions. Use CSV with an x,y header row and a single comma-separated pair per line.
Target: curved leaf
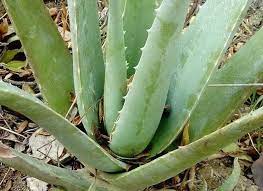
x,y
138,18
88,64
78,143
175,162
245,67
144,103
196,56
45,49
115,67
231,182
54,175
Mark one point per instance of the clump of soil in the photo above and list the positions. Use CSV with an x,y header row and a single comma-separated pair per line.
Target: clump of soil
x,y
216,171
11,180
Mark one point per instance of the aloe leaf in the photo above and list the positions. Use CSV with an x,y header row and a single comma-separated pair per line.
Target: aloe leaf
x,y
231,182
45,50
68,179
138,18
144,103
245,67
197,55
158,2
115,67
175,162
78,143
48,173
88,64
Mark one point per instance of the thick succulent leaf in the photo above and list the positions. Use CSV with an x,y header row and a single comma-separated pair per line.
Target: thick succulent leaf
x,y
144,103
175,162
45,49
88,64
115,68
51,174
138,18
245,67
231,182
78,143
197,55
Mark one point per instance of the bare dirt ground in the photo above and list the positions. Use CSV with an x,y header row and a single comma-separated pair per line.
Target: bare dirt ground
x,y
213,171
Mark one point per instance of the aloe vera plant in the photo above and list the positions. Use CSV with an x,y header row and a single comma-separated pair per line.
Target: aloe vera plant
x,y
175,67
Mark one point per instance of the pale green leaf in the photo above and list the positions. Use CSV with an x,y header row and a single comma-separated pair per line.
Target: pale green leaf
x,y
231,182
88,64
218,104
175,162
144,103
115,87
54,175
45,49
195,56
78,143
138,18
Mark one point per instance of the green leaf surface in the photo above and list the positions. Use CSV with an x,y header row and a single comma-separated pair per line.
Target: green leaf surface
x,y
115,67
9,55
15,65
175,162
56,176
78,143
144,103
45,50
231,182
196,55
88,64
138,18
218,104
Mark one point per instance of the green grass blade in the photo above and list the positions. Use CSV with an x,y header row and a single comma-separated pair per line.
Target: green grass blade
x,y
138,18
144,103
78,143
197,55
45,49
115,67
88,64
175,162
231,182
218,104
51,174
